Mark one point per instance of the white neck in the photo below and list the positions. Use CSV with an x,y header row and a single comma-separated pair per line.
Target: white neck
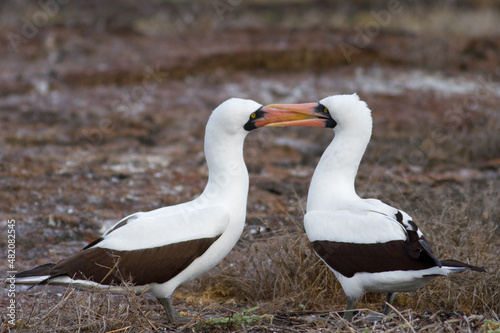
x,y
332,183
227,173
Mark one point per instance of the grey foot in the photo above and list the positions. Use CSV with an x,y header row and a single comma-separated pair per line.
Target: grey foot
x,y
348,313
172,314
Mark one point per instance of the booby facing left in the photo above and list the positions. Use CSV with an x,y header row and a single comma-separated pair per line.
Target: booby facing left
x,y
369,245
157,251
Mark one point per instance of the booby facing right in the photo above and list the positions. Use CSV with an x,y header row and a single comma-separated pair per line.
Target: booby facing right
x,y
156,251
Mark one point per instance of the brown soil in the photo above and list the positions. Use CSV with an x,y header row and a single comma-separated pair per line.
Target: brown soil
x,y
103,118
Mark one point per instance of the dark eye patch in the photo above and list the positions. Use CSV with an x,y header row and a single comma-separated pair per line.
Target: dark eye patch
x,y
250,125
323,110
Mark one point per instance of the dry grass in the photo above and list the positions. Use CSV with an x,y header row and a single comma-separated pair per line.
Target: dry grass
x,y
453,191
277,271
72,310
282,271
294,291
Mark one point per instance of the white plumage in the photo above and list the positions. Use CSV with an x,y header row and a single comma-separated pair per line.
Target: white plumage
x,y
159,250
369,245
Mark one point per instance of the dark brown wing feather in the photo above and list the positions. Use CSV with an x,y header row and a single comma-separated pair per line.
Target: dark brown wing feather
x,y
417,247
351,258
414,253
139,267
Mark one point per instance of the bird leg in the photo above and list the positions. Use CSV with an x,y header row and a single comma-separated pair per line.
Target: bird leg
x,y
172,314
389,300
351,302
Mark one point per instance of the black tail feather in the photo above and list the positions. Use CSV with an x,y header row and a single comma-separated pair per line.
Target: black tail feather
x,y
37,271
456,263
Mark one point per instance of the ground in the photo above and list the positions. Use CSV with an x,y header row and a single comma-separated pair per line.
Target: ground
x,y
103,112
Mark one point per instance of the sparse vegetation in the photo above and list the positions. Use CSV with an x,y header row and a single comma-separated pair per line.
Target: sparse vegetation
x,y
77,155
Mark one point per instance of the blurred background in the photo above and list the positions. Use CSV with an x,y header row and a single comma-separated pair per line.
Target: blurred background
x,y
103,106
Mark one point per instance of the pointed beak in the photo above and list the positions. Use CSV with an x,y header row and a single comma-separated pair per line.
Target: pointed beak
x,y
306,114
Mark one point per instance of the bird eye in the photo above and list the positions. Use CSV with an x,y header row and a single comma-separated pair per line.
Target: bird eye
x,y
253,115
325,110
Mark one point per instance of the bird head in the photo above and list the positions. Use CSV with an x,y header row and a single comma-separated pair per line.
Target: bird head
x,y
343,111
245,115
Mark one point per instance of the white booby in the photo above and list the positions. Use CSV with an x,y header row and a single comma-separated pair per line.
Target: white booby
x,y
157,251
369,245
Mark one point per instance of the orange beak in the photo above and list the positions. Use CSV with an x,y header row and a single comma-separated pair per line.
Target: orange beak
x,y
306,114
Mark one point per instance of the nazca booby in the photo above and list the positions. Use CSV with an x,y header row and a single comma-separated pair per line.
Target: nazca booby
x,y
369,245
156,251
